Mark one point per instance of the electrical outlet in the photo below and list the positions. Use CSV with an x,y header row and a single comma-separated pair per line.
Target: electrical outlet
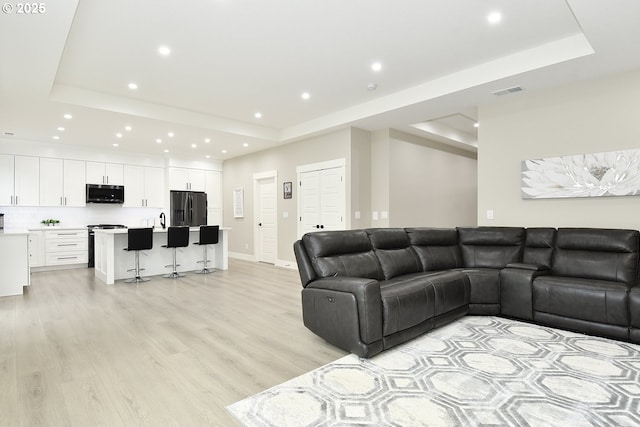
x,y
489,213
357,215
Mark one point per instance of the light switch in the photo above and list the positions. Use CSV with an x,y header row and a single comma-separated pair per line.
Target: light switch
x,y
374,215
285,215
357,215
489,213
384,214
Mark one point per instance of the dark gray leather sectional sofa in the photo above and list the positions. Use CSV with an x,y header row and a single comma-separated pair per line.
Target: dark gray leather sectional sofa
x,y
368,290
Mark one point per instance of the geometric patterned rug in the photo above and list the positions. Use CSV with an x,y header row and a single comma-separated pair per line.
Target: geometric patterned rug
x,y
476,371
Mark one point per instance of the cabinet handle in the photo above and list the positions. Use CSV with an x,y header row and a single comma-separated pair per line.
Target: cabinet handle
x,y
67,257
67,244
16,200
67,234
65,201
61,201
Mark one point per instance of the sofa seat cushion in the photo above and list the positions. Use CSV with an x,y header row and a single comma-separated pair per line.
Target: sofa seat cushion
x,y
413,299
593,300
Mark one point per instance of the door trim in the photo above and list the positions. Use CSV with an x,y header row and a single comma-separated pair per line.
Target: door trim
x,y
272,174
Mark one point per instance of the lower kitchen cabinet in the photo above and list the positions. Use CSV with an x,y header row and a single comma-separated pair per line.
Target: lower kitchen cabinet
x,y
58,247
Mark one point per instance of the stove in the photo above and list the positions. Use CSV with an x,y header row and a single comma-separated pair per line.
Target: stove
x,y
92,258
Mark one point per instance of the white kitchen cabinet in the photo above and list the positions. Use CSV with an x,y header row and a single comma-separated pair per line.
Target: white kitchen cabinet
x,y
14,263
105,173
144,187
26,185
6,180
66,246
186,179
62,182
36,248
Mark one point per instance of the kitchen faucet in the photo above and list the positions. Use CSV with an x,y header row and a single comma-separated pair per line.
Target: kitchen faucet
x,y
163,221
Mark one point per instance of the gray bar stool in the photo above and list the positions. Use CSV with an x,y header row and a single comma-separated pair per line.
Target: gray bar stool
x,y
208,236
177,237
138,239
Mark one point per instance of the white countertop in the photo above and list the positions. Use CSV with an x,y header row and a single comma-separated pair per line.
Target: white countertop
x,y
56,227
155,230
13,232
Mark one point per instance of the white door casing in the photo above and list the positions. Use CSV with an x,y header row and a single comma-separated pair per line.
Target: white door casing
x,y
266,217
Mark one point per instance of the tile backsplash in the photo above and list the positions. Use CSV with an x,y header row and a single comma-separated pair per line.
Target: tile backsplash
x,y
30,217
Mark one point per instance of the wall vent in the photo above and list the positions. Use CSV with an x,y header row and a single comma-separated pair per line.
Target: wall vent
x,y
507,90
9,134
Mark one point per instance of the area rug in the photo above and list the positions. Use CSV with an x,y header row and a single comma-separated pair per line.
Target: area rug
x,y
476,371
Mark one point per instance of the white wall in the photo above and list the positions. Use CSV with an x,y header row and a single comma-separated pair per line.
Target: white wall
x,y
596,116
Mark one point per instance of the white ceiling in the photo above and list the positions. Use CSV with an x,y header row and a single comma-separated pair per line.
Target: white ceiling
x,y
232,58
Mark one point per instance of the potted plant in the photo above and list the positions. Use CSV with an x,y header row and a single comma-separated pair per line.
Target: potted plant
x,y
50,222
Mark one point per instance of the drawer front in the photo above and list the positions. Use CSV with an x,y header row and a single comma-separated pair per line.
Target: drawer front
x,y
70,257
66,245
66,234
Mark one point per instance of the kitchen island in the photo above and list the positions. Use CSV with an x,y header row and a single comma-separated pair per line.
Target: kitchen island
x,y
112,261
14,262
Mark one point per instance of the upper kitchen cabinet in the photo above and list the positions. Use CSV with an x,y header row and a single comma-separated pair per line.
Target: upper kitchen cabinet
x,y
105,173
144,187
19,180
186,179
62,182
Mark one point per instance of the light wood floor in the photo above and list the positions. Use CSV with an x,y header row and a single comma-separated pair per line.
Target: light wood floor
x,y
76,352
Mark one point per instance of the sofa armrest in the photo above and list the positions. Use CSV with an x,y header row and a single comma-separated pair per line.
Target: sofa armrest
x,y
523,266
516,289
368,299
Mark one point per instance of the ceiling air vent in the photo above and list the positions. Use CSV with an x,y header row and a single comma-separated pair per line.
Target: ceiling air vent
x,y
507,90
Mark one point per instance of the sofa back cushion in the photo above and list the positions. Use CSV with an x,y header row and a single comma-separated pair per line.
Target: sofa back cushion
x,y
538,246
394,251
342,253
436,248
490,247
602,254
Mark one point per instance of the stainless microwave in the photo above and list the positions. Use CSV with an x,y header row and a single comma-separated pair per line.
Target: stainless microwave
x,y
105,193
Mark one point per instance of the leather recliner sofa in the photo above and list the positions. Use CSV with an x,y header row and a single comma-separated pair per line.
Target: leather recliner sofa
x,y
368,290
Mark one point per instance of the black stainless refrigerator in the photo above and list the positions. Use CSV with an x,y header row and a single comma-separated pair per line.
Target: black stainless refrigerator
x,y
188,208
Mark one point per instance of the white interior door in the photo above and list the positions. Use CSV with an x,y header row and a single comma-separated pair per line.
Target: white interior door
x,y
322,202
267,220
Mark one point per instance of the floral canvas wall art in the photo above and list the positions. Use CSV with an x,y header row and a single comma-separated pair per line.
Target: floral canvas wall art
x,y
613,173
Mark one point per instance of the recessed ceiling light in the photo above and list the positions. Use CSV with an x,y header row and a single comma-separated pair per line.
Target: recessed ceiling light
x,y
246,144
494,17
164,50
158,141
372,86
207,140
193,146
258,115
118,135
127,128
306,95
170,134
56,137
115,145
376,66
224,151
207,156
68,116
61,129
165,151
133,86
476,124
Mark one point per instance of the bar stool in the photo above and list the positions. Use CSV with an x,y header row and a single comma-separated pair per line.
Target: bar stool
x,y
138,239
208,236
177,237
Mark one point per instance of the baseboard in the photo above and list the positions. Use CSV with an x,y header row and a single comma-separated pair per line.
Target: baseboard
x,y
245,257
287,264
279,263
